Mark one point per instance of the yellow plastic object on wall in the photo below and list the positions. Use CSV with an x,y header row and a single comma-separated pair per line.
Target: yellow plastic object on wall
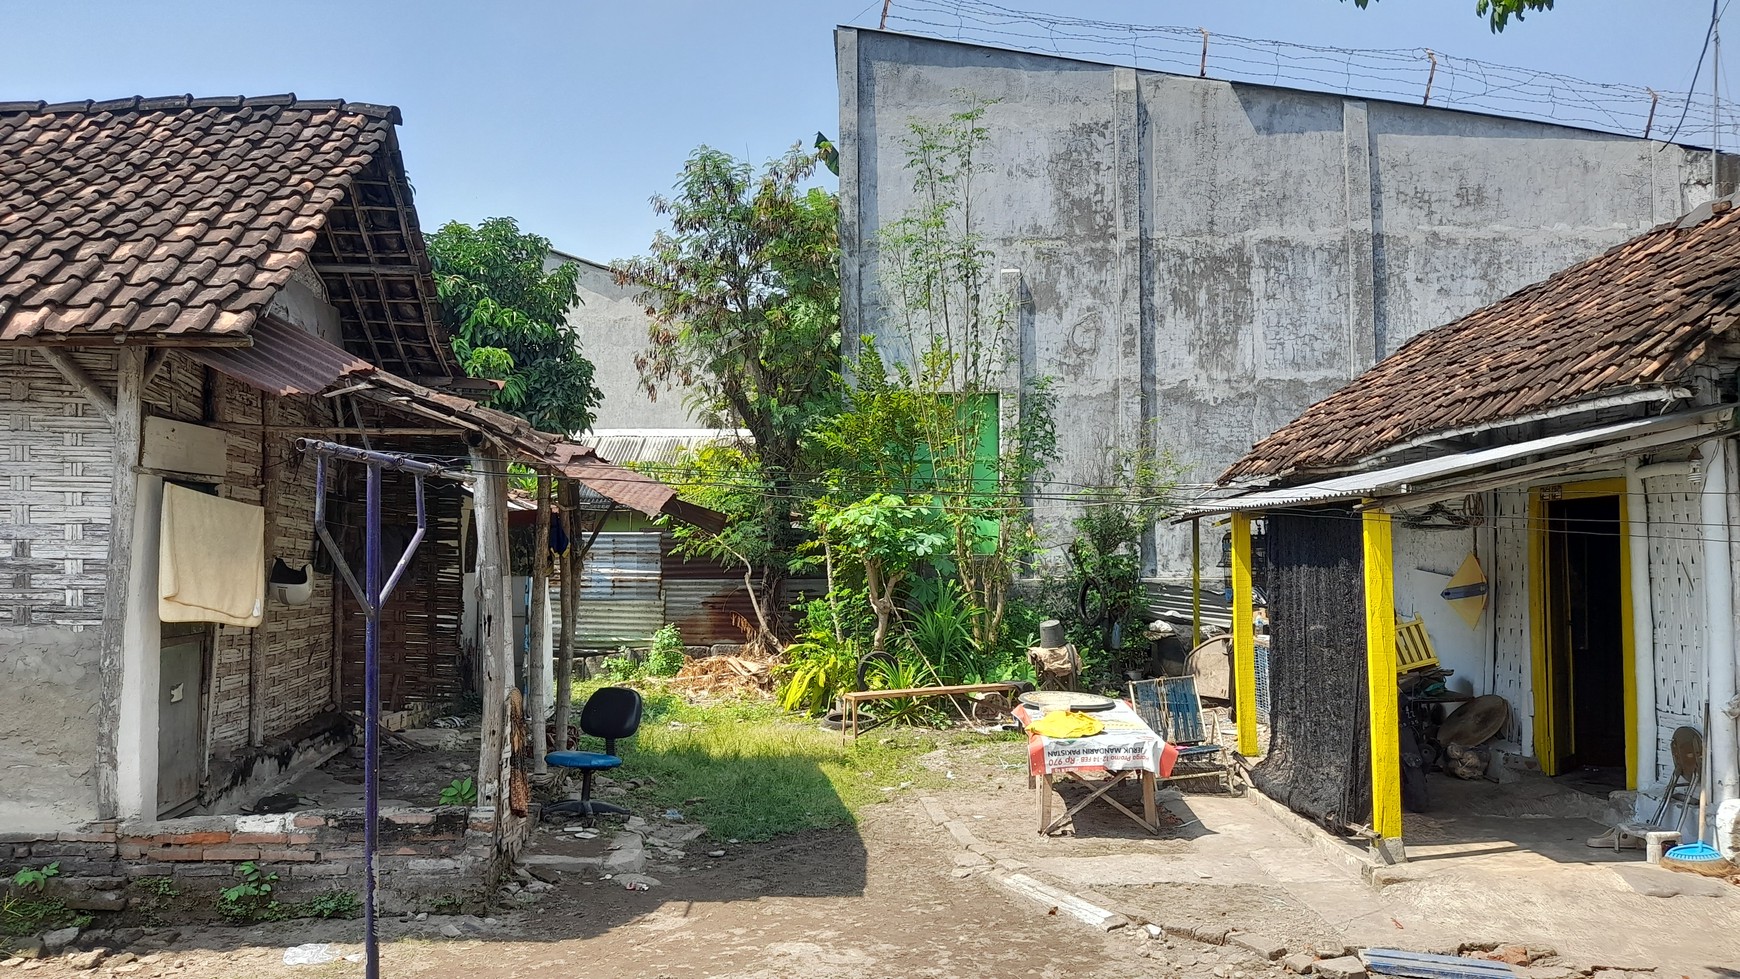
x,y
1067,724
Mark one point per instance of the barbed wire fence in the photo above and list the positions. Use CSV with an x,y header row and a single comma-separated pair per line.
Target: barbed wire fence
x,y
1418,75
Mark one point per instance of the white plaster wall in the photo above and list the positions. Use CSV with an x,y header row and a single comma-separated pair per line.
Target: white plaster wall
x,y
1424,562
612,329
1676,583
1509,613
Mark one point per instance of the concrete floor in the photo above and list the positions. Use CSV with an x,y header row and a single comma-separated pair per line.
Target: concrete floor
x,y
1490,864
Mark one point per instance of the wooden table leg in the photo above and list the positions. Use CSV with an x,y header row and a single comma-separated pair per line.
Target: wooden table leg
x,y
1044,804
1148,813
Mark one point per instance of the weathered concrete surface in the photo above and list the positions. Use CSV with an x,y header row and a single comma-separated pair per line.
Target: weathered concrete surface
x,y
48,703
612,328
1514,872
1209,257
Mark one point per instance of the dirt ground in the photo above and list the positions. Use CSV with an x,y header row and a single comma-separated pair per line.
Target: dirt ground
x,y
878,901
921,888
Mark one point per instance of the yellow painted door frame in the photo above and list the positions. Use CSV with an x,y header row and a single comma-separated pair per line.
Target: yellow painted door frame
x,y
1380,672
1244,637
1542,608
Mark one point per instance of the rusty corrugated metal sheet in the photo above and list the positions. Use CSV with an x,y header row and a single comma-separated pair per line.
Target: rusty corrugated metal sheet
x,y
283,360
710,610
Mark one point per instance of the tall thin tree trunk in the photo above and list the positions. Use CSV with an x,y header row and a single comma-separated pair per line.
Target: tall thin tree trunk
x,y
537,680
565,634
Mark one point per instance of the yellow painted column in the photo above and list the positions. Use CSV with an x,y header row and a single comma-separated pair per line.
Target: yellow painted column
x,y
1244,637
1380,667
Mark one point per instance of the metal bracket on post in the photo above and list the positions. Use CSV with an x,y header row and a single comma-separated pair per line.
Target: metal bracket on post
x,y
371,595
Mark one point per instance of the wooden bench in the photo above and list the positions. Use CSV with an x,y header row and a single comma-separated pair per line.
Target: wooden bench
x,y
851,700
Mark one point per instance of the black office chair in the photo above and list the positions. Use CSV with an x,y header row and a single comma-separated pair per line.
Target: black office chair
x,y
611,713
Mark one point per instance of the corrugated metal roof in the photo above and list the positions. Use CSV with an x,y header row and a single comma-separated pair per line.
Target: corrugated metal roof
x,y
283,360
652,447
1419,476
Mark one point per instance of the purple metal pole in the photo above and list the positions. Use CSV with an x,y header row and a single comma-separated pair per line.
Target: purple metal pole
x,y
372,717
371,596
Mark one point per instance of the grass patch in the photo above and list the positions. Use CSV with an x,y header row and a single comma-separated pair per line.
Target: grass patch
x,y
750,771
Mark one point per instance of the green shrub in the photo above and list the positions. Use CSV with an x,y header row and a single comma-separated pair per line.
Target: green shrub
x,y
30,879
459,792
622,668
666,656
250,900
335,904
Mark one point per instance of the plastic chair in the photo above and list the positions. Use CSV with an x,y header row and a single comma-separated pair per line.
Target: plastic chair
x,y
611,713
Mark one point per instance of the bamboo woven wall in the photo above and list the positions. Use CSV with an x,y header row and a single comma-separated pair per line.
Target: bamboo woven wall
x,y
280,677
419,643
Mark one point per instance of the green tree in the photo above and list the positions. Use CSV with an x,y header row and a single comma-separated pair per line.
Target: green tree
x,y
981,454
508,319
1498,13
743,290
890,537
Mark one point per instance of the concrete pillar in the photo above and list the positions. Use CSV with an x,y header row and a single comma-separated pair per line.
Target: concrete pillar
x,y
848,144
1366,343
136,760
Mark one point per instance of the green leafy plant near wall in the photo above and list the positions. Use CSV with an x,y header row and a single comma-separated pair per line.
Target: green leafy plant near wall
x,y
459,792
21,914
334,904
251,899
666,656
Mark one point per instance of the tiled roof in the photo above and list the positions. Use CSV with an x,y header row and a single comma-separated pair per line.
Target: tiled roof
x,y
1639,316
181,217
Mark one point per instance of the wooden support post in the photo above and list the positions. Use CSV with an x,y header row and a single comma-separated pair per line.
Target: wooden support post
x,y
1195,582
537,680
494,620
87,385
1244,637
570,598
1380,675
123,496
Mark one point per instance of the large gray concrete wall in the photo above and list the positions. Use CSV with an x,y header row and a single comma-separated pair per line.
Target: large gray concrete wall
x,y
612,328
1208,257
48,727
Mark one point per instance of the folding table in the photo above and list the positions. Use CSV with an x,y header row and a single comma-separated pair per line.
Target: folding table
x,y
1126,749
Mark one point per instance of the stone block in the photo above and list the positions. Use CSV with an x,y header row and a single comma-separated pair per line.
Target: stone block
x,y
1346,967
1262,946
241,839
1299,963
268,823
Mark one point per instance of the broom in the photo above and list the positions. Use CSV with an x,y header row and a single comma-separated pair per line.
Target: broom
x,y
1699,857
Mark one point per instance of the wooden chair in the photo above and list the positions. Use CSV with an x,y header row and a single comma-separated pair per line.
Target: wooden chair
x,y
1170,706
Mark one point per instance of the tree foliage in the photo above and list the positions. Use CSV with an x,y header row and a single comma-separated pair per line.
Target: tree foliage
x,y
957,327
743,290
508,319
1498,13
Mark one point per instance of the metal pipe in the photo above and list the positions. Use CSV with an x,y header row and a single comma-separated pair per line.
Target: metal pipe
x,y
372,596
371,712
1719,619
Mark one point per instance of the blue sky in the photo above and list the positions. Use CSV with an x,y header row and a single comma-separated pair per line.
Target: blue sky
x,y
568,116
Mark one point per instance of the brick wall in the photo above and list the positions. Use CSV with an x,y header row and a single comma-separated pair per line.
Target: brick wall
x,y
428,858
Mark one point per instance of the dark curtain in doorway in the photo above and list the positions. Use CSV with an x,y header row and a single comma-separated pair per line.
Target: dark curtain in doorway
x,y
1319,756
